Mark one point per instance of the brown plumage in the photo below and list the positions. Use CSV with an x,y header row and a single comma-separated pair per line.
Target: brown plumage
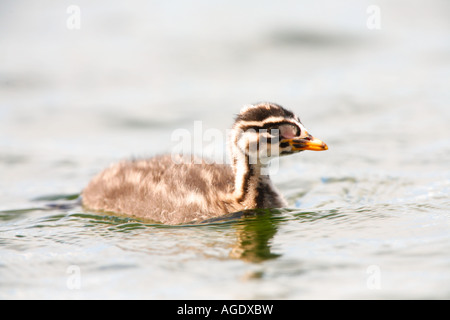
x,y
172,190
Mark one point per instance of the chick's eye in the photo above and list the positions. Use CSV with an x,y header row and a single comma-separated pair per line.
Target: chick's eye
x,y
289,131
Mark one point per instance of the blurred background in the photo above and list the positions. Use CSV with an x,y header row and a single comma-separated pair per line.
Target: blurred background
x,y
86,83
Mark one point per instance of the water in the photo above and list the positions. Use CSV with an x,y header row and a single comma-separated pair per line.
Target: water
x,y
368,218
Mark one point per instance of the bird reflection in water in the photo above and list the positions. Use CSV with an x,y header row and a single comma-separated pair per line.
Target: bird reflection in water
x,y
255,230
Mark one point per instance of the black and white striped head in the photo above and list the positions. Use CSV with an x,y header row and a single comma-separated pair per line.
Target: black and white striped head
x,y
266,130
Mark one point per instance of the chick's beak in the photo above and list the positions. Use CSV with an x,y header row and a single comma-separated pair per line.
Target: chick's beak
x,y
308,143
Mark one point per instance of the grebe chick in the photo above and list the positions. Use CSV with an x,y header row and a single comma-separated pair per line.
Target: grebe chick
x,y
171,190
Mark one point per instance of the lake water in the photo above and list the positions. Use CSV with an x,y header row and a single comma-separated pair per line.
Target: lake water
x,y
367,219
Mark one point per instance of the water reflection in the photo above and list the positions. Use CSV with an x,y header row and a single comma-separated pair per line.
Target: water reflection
x,y
254,231
254,239
251,232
